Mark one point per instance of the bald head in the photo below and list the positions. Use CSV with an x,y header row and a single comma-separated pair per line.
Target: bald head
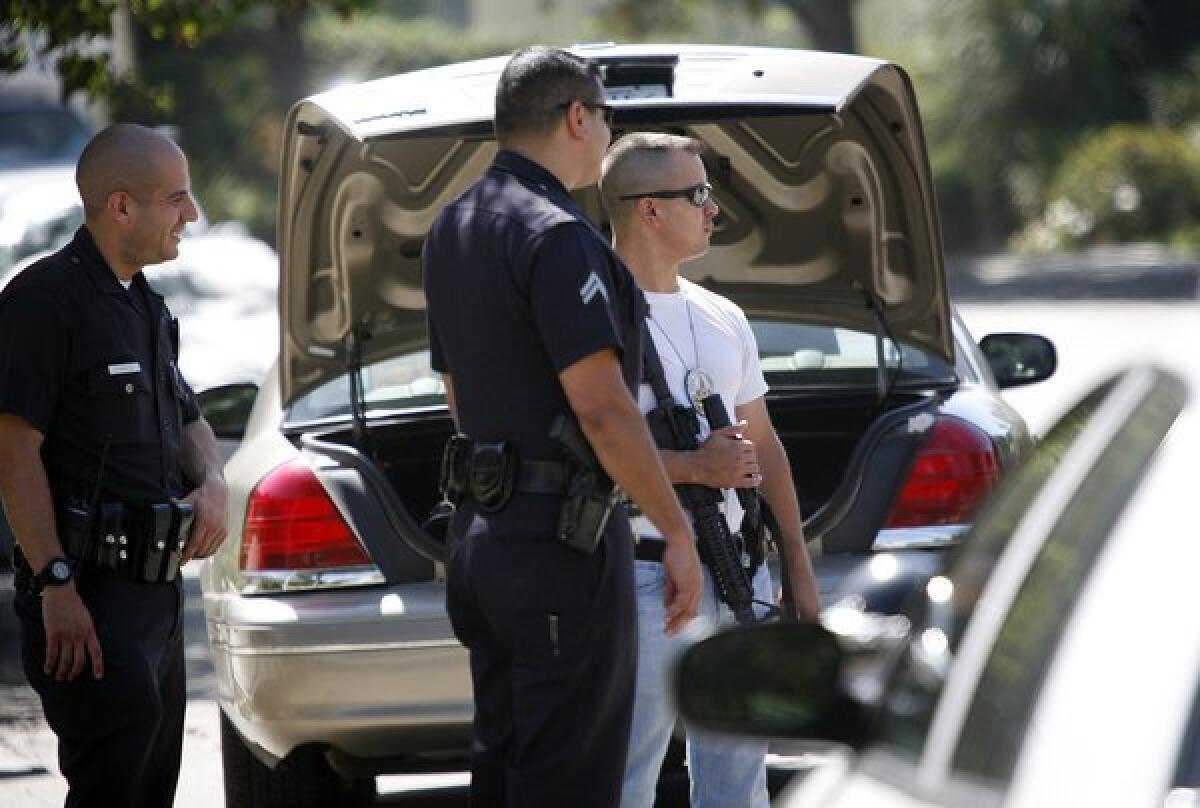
x,y
637,163
124,157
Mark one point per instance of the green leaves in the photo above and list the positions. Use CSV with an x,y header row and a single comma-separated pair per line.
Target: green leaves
x,y
79,33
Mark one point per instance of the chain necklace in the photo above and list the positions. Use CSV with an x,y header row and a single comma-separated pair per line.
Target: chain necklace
x,y
696,382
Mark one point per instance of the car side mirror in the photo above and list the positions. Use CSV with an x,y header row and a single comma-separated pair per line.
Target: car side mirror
x,y
1019,359
227,408
776,680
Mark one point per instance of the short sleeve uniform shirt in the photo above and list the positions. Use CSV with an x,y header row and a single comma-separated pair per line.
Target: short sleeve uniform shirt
x,y
520,285
92,365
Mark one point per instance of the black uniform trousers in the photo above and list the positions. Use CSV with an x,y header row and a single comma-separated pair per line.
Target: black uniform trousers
x,y
119,738
552,637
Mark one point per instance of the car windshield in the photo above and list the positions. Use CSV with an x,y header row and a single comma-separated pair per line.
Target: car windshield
x,y
803,354
401,382
792,354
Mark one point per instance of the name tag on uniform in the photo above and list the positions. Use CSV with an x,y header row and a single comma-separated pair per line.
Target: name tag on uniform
x,y
124,369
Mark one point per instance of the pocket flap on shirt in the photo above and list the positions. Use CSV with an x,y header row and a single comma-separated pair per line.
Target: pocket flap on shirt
x,y
124,378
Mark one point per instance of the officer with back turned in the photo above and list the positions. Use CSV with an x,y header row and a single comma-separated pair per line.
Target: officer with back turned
x,y
535,325
110,477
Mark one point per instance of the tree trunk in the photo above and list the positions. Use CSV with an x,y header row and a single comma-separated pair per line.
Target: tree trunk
x,y
286,58
831,22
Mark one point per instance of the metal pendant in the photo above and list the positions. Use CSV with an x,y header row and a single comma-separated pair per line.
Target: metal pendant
x,y
699,386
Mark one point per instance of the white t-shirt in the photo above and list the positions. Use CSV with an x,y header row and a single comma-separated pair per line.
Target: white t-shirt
x,y
723,347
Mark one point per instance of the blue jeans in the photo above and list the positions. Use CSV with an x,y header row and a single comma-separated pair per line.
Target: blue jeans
x,y
724,771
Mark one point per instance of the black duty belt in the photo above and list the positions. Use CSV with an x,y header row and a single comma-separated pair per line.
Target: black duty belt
x,y
649,549
652,548
491,473
145,542
542,477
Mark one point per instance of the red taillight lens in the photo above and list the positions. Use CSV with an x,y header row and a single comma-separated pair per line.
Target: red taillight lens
x,y
292,524
955,468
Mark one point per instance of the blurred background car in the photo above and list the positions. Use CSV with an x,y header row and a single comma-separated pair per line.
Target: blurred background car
x,y
35,131
1054,662
325,607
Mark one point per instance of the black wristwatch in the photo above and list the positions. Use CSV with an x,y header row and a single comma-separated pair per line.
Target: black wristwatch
x,y
56,573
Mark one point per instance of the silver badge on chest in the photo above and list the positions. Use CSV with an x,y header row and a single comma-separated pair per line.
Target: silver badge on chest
x,y
699,386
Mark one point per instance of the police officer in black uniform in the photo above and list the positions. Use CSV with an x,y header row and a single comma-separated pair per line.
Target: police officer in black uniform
x,y
532,318
110,477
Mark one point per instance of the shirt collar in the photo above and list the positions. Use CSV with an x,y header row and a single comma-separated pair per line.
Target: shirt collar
x,y
83,247
529,171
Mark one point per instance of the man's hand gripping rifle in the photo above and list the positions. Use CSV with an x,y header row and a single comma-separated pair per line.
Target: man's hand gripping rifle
x,y
676,427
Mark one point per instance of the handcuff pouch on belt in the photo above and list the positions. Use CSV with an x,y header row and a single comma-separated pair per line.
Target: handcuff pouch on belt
x,y
483,471
493,474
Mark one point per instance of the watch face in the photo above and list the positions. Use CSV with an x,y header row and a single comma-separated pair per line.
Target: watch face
x,y
60,571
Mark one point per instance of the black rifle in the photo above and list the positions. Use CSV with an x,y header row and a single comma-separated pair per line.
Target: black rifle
x,y
676,427
758,518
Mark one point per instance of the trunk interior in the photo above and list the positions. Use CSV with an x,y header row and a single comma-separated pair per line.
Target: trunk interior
x,y
828,438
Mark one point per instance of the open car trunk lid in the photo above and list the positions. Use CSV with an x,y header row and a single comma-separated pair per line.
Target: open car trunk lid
x,y
817,160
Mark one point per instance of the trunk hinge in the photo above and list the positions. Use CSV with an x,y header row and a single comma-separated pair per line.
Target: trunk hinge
x,y
354,342
883,385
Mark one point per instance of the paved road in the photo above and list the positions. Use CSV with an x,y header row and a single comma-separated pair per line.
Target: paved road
x,y
1094,338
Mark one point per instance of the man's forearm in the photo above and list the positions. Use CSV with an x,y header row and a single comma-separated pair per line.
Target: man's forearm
x,y
28,503
780,492
680,466
624,447
201,457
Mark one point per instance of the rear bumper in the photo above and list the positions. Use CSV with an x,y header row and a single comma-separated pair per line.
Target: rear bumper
x,y
374,673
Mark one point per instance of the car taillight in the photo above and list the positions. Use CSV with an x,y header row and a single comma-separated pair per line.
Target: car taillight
x,y
292,524
954,470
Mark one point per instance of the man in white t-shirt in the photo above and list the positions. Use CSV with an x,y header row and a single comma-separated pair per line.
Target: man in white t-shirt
x,y
660,204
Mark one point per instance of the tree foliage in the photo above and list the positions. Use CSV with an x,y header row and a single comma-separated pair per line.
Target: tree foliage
x,y
78,34
1016,84
221,72
1125,183
830,23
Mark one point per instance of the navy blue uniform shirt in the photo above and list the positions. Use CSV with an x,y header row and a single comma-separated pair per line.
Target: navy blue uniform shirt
x,y
520,286
88,362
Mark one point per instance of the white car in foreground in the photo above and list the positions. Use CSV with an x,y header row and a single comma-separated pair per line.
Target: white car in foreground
x,y
1056,661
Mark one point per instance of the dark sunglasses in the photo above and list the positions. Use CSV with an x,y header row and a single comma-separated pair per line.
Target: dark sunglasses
x,y
698,195
609,111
